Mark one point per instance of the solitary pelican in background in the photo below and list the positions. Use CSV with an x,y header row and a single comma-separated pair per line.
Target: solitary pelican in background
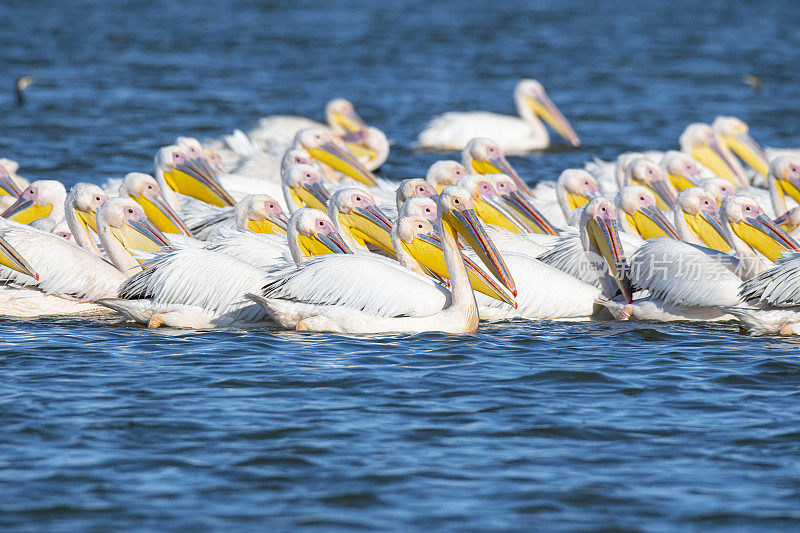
x,y
452,131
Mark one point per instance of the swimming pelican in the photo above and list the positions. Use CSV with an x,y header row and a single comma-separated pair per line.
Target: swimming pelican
x,y
484,156
720,188
302,186
414,188
444,173
453,130
80,212
783,179
177,172
322,148
359,221
697,219
204,288
259,213
69,277
41,205
687,281
146,192
642,171
681,170
638,214
735,135
365,294
699,141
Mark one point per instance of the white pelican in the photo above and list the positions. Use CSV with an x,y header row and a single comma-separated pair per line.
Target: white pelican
x,y
80,212
638,214
610,175
146,192
204,288
302,187
9,184
322,148
414,188
783,179
41,205
700,141
694,282
62,230
365,294
774,299
574,188
681,170
735,135
444,173
359,221
452,131
697,219
178,172
642,171
720,188
484,156
259,213
369,145
69,277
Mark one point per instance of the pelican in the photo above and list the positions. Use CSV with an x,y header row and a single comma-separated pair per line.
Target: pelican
x,y
364,294
642,171
69,277
638,214
259,213
610,175
414,188
697,219
484,156
302,187
360,222
687,281
10,184
177,172
204,288
145,191
80,212
574,188
774,297
322,148
444,173
735,135
41,205
783,178
452,131
681,170
62,230
699,141
369,145
720,188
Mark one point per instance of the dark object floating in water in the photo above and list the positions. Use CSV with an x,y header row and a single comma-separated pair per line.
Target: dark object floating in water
x,y
20,85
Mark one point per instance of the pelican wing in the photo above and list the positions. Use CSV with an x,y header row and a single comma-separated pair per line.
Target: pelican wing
x,y
64,269
257,249
684,274
195,277
779,285
530,244
372,285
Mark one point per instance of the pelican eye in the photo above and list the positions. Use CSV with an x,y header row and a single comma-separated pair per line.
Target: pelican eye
x,y
130,211
419,226
642,198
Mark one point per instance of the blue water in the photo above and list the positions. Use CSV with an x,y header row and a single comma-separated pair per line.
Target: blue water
x,y
523,425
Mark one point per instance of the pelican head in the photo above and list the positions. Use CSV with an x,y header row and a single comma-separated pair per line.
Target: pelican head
x,y
342,117
414,188
697,219
519,204
784,177
369,145
534,97
354,213
744,220
144,189
487,203
735,135
456,216
600,238
575,187
62,230
321,147
444,173
424,208
296,157
302,186
191,175
484,156
681,170
260,213
310,232
7,184
699,141
621,166
124,228
11,258
644,172
42,199
719,187
638,213
80,210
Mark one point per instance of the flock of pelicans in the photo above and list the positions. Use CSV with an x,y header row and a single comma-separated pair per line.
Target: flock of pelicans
x,y
287,225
